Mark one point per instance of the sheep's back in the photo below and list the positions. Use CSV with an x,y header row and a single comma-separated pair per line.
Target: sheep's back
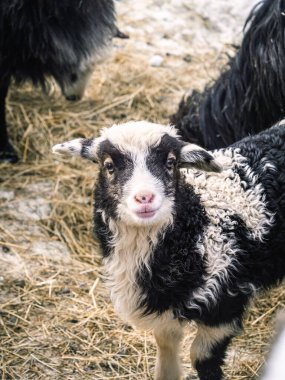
x,y
265,154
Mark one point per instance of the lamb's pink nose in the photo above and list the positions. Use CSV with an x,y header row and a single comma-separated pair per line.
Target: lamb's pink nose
x,y
144,197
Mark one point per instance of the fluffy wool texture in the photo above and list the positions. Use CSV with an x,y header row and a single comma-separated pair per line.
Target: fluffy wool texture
x,y
132,248
224,197
62,39
249,95
202,258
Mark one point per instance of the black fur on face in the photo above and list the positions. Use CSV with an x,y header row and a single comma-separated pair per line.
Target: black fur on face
x,y
112,180
163,162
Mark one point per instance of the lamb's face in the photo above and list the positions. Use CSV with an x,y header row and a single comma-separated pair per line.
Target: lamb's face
x,y
139,169
140,183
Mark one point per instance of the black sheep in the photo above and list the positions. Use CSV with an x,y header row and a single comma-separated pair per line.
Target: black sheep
x,y
41,38
249,96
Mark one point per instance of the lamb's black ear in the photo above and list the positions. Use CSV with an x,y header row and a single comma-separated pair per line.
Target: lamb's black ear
x,y
192,155
86,148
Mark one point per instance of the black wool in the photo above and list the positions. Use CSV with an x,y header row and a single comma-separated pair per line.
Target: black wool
x,y
249,95
175,272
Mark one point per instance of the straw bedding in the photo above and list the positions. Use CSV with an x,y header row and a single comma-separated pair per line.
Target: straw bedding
x,y
56,318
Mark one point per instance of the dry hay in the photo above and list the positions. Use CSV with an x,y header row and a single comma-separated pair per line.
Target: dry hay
x,y
57,321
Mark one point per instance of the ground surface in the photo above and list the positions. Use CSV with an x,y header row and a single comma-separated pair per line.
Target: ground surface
x,y
56,318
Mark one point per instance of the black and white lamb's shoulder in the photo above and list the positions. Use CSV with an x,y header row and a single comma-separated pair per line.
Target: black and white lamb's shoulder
x,y
62,39
187,234
248,96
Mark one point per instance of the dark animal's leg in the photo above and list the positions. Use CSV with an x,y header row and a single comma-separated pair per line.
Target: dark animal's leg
x,y
7,153
209,348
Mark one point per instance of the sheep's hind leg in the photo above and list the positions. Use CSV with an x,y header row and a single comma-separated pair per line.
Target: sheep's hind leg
x,y
7,152
168,338
209,348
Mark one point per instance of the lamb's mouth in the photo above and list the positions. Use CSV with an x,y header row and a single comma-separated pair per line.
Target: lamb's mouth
x,y
146,213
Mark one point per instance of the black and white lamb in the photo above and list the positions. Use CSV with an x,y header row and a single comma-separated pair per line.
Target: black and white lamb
x,y
184,240
62,39
249,96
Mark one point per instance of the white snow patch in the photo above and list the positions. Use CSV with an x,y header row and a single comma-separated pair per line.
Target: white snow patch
x,y
179,27
54,250
156,60
11,263
30,209
7,195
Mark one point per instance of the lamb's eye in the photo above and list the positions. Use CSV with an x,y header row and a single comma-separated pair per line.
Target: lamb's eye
x,y
170,163
109,166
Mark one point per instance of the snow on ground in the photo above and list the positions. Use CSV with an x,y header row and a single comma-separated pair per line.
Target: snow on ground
x,y
181,27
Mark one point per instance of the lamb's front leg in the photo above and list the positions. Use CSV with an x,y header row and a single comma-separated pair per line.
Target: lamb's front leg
x,y
168,337
209,348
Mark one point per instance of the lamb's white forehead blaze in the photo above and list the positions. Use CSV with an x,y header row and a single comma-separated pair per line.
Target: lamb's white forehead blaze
x,y
137,135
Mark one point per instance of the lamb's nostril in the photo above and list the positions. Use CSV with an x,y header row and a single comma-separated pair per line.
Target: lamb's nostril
x,y
144,197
